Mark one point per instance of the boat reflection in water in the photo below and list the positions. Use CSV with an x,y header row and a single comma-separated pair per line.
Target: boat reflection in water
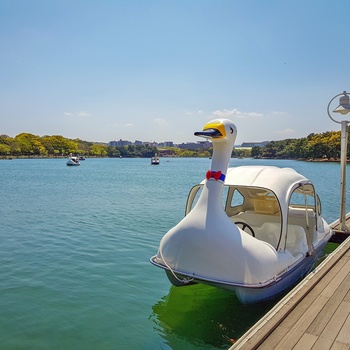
x,y
204,316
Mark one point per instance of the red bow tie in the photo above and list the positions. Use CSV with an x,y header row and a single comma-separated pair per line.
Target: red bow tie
x,y
217,175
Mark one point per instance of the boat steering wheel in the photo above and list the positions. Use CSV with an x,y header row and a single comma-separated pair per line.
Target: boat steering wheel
x,y
244,226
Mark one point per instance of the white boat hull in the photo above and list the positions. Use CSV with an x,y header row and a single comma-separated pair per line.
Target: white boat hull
x,y
249,294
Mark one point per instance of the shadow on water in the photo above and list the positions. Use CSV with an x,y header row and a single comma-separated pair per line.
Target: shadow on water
x,y
204,316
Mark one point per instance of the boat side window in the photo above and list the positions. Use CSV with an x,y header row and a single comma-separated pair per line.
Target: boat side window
x,y
234,202
303,196
266,203
195,193
237,199
302,209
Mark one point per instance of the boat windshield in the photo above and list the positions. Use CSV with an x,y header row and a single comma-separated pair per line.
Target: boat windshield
x,y
195,193
254,209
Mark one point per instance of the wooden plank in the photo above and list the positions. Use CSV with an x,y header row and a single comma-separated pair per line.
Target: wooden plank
x,y
347,296
344,334
330,308
306,342
339,346
330,333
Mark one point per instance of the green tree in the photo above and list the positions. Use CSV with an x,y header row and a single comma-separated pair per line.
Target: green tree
x,y
4,149
112,152
58,144
30,144
256,152
98,150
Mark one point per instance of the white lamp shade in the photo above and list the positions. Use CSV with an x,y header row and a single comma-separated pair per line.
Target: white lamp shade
x,y
344,106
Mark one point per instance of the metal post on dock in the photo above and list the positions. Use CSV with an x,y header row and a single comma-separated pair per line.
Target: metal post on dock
x,y
343,108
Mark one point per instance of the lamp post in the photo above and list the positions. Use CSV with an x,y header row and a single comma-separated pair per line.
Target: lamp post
x,y
343,109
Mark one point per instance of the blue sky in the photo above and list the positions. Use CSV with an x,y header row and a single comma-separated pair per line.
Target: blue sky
x,y
158,70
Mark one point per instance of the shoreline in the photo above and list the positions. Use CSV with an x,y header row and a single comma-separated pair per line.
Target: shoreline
x,y
315,160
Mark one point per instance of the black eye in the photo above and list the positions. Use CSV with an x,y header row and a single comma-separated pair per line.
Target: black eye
x,y
231,130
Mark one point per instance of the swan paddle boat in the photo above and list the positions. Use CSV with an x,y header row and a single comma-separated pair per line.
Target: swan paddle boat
x,y
73,160
155,160
255,230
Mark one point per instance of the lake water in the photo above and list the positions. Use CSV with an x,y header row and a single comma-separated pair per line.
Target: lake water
x,y
75,244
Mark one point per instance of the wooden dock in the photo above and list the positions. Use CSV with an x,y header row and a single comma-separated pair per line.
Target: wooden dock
x,y
315,314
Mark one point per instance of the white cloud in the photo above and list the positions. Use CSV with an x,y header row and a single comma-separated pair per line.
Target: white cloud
x,y
129,125
227,113
194,113
77,114
253,114
83,114
160,121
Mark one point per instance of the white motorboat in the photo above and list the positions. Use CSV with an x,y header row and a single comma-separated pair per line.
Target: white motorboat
x,y
155,160
73,160
255,230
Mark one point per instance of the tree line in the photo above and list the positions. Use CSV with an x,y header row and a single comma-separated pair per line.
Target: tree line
x,y
29,145
324,145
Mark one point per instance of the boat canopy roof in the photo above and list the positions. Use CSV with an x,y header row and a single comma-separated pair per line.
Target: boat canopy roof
x,y
264,176
281,181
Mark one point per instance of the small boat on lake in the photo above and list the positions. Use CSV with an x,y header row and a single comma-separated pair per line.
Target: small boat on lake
x,y
155,160
73,160
81,158
255,230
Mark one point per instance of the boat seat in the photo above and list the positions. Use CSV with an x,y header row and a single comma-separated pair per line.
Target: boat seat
x,y
267,231
296,216
300,212
270,232
296,240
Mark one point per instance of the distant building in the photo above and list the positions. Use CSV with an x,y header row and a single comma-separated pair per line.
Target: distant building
x,y
196,145
119,143
151,144
188,145
166,144
254,144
